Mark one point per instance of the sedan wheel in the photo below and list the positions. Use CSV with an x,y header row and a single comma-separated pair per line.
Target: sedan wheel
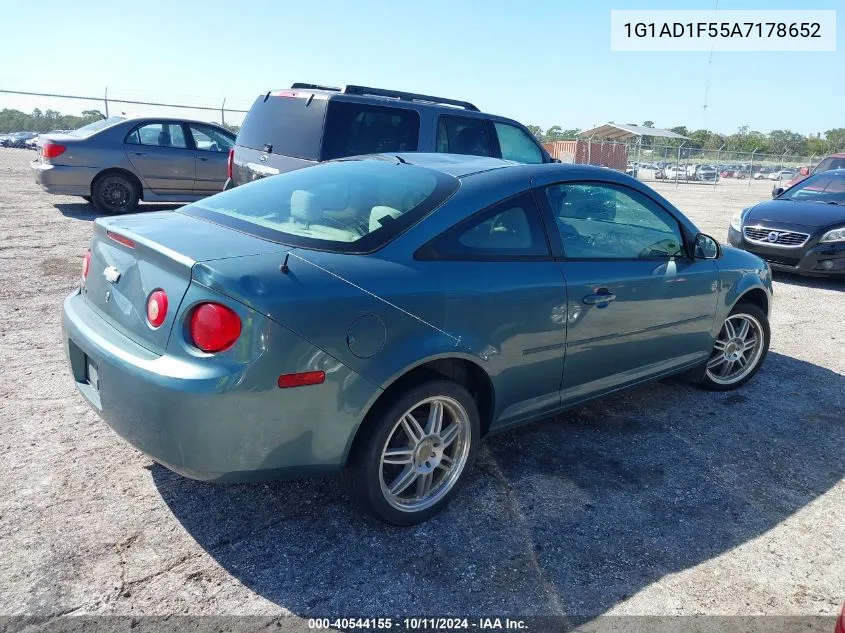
x,y
413,451
739,349
115,193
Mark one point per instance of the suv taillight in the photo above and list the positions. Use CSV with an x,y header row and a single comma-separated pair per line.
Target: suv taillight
x,y
51,150
230,162
214,327
86,264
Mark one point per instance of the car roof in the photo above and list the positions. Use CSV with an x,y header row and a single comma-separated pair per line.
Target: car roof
x,y
371,96
463,166
168,119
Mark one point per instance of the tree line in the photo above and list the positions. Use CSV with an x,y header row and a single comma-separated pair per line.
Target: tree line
x,y
743,140
38,121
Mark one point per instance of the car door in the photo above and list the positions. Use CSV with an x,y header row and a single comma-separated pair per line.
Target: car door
x,y
159,152
465,135
639,306
517,144
506,299
211,152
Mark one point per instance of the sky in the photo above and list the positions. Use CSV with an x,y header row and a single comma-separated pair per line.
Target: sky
x,y
541,62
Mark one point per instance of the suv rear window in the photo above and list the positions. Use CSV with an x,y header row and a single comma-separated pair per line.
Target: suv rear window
x,y
353,129
292,126
351,206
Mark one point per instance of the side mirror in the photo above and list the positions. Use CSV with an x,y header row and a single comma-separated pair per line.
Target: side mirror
x,y
706,247
777,191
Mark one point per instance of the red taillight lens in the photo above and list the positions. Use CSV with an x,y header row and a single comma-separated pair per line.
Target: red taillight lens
x,y
302,379
51,150
230,162
86,264
157,307
214,327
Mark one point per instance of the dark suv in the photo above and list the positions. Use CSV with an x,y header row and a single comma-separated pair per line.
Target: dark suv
x,y
306,124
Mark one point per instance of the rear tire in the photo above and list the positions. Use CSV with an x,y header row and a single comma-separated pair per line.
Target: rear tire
x,y
405,465
739,350
115,193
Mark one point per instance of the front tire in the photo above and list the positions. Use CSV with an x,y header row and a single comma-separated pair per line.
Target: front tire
x,y
739,350
115,193
412,455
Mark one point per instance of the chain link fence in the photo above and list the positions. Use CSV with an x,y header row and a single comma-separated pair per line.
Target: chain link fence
x,y
680,164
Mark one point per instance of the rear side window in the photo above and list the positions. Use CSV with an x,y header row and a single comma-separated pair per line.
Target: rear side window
x,y
349,206
509,230
159,135
463,135
353,129
517,145
287,125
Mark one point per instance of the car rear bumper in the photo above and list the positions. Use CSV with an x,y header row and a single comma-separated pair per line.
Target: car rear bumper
x,y
205,421
819,260
63,179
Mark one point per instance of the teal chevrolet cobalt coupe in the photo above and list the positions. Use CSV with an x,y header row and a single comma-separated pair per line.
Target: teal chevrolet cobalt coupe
x,y
377,317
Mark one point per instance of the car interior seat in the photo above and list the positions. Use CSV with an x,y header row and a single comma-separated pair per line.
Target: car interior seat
x,y
304,207
470,141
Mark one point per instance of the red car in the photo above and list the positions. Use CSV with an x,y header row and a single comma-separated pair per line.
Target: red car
x,y
840,622
834,161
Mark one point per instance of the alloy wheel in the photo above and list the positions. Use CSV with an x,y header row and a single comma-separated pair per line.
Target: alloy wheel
x,y
425,453
737,349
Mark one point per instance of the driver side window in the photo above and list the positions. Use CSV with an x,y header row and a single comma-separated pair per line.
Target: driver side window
x,y
604,221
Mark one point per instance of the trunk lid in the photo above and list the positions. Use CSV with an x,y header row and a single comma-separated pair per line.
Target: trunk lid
x,y
134,255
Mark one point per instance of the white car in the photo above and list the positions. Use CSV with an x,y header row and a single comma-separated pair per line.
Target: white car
x,y
783,174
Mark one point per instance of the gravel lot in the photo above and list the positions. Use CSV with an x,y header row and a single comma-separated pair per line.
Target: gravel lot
x,y
664,500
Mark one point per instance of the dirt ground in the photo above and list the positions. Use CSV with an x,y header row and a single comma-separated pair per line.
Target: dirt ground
x,y
663,500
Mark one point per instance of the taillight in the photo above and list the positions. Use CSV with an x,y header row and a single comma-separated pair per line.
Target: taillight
x,y
51,150
214,327
157,307
230,162
86,264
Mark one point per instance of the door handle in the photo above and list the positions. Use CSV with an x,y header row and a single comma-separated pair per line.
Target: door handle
x,y
201,158
601,298
139,153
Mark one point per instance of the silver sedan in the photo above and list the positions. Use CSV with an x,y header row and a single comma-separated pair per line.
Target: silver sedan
x,y
117,162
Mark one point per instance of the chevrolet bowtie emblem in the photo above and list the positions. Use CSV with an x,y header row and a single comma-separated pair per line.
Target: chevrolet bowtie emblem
x,y
111,274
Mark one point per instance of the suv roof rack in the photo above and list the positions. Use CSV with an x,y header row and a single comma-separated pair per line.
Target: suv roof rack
x,y
304,86
406,96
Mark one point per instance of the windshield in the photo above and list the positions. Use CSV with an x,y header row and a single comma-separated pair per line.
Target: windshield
x,y
352,206
831,162
826,187
96,126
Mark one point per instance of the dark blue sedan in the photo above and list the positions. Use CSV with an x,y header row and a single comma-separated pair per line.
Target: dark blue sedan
x,y
377,317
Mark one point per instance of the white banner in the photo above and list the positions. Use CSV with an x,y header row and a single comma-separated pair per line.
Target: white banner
x,y
757,30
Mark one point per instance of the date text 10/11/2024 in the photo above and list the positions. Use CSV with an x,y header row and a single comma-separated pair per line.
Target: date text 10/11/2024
x,y
418,624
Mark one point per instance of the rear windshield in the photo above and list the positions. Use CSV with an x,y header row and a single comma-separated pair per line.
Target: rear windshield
x,y
351,206
292,126
96,126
